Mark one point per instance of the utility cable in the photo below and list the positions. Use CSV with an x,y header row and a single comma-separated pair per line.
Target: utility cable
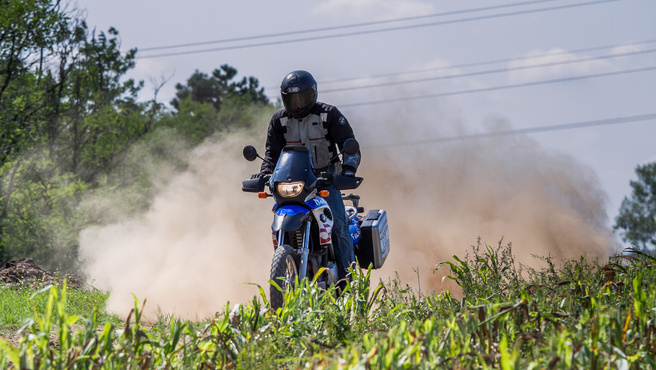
x,y
365,32
530,130
474,64
502,87
334,28
478,64
479,73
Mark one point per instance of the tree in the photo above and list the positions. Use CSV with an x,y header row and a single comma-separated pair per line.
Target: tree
x,y
30,33
218,87
70,119
102,117
637,214
68,116
210,104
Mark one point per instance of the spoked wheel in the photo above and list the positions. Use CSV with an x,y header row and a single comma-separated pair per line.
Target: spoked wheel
x,y
283,272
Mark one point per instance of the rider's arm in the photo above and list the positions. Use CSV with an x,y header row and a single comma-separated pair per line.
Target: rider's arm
x,y
274,144
339,130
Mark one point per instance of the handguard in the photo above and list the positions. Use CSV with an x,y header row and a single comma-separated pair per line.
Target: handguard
x,y
254,185
339,181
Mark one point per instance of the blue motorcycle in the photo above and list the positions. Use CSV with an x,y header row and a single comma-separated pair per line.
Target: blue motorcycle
x,y
303,221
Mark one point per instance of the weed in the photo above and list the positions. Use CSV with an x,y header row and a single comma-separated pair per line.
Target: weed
x,y
581,315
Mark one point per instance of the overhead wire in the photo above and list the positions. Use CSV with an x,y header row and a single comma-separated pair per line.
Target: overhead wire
x,y
492,71
567,126
365,32
528,130
341,27
483,63
501,87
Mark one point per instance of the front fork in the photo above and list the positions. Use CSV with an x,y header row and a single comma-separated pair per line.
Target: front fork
x,y
304,252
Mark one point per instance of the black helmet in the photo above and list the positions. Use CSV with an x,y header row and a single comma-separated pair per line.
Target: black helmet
x,y
299,93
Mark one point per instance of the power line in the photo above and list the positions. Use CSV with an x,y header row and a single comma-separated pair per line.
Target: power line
x,y
365,32
478,64
530,130
502,87
479,73
333,28
475,64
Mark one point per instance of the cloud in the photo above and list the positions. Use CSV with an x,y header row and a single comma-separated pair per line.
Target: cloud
x,y
626,49
556,66
374,9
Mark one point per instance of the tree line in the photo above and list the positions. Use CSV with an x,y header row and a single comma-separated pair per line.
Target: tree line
x,y
69,119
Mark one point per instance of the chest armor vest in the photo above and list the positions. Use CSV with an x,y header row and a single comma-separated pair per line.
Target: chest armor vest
x,y
311,133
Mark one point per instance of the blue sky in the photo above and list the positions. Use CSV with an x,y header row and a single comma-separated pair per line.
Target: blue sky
x,y
532,36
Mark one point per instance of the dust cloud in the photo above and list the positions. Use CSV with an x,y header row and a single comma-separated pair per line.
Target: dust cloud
x,y
196,247
442,194
203,239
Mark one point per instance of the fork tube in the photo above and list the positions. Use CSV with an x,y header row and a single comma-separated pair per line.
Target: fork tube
x,y
302,271
281,238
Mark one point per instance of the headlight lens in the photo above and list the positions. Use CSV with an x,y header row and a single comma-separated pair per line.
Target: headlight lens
x,y
290,189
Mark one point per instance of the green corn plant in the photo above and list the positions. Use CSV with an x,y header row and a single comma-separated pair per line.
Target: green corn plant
x,y
358,295
9,355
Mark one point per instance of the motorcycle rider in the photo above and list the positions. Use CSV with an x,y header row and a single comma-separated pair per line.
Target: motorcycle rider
x,y
322,129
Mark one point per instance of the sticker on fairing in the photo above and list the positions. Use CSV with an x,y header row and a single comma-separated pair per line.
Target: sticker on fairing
x,y
315,203
290,210
324,234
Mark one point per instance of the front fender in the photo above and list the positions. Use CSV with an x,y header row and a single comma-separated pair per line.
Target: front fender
x,y
289,218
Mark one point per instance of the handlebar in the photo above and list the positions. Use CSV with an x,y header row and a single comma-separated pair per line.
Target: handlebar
x,y
340,182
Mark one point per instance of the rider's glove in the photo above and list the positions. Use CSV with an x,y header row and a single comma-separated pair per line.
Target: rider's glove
x,y
348,171
260,175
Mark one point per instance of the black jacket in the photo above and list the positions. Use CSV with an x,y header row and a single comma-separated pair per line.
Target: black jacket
x,y
323,131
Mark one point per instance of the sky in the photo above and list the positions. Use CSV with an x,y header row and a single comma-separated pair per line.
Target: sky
x,y
488,65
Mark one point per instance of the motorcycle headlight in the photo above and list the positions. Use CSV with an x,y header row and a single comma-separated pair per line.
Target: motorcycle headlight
x,y
290,189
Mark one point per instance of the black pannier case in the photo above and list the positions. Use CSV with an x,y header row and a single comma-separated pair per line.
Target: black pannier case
x,y
374,246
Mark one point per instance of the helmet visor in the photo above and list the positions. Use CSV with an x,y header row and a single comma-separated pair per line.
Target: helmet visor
x,y
297,102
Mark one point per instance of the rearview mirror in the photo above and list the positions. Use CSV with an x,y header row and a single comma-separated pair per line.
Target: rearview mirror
x,y
250,153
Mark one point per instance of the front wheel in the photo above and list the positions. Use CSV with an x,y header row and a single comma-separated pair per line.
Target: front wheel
x,y
283,272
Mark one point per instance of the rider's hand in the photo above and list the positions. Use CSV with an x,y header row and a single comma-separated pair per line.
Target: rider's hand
x,y
260,175
348,172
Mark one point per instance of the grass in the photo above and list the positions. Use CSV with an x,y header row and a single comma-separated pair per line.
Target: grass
x,y
19,302
580,315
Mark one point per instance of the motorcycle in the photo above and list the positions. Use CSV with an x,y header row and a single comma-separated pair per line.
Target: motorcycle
x,y
303,221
